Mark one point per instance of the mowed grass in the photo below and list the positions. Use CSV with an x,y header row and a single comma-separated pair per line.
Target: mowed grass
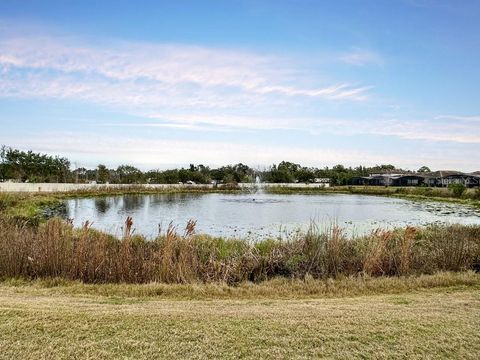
x,y
439,317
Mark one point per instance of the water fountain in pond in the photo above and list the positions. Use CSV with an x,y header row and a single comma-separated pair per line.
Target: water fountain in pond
x,y
257,188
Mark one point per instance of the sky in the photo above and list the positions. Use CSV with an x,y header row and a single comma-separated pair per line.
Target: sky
x,y
160,84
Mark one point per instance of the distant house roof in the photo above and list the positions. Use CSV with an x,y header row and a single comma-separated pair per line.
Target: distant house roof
x,y
443,173
386,175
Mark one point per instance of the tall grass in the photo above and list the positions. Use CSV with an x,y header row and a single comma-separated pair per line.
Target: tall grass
x,y
57,249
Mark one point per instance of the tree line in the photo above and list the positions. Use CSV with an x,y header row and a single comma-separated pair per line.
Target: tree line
x,y
28,166
33,167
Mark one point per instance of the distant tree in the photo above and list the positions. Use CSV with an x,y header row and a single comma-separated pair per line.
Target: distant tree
x,y
103,174
128,174
292,168
3,165
23,166
31,166
229,179
242,173
424,169
218,174
383,168
281,174
339,168
171,176
80,175
305,175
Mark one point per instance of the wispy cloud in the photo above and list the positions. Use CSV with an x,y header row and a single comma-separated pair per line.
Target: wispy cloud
x,y
151,153
362,57
459,117
142,74
199,88
88,149
460,131
428,130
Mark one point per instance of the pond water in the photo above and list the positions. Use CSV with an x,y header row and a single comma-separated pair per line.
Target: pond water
x,y
261,215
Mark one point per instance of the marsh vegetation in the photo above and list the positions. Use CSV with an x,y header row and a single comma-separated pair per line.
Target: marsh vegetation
x,y
57,249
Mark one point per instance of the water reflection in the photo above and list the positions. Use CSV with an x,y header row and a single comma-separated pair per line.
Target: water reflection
x,y
102,204
134,202
263,215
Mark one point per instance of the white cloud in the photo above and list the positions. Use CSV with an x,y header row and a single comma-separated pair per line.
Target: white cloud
x,y
460,131
362,58
152,70
422,129
89,149
459,117
208,89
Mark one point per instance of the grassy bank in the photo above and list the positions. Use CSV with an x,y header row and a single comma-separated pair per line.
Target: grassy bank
x,y
469,197
279,288
38,321
56,249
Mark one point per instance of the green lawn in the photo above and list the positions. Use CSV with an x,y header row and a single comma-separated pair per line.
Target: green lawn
x,y
75,321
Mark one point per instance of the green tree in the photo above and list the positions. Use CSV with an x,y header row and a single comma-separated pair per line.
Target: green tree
x,y
103,174
31,166
305,175
128,174
424,169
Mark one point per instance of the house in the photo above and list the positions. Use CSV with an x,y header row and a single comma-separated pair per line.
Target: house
x,y
360,180
408,180
441,178
387,180
444,178
321,181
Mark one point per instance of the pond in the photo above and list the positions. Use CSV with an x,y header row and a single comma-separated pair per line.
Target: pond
x,y
262,215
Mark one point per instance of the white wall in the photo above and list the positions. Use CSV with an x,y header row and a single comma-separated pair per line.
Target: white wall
x,y
54,187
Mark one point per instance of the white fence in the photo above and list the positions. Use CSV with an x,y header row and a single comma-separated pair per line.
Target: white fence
x,y
59,187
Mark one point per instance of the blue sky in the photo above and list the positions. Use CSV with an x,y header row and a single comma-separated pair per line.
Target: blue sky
x,y
160,84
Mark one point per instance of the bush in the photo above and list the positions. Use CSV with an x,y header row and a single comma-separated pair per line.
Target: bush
x,y
457,189
476,194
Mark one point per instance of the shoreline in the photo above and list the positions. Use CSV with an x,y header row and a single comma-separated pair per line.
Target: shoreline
x,y
33,205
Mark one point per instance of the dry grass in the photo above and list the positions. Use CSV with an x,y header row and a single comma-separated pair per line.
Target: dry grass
x,y
38,322
56,249
278,288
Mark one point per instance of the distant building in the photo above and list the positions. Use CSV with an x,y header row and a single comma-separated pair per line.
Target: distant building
x,y
408,180
441,178
389,180
321,181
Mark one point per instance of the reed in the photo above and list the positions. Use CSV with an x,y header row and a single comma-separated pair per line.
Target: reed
x,y
57,249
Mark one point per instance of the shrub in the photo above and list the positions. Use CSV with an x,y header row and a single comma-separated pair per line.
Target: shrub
x,y
476,194
457,189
